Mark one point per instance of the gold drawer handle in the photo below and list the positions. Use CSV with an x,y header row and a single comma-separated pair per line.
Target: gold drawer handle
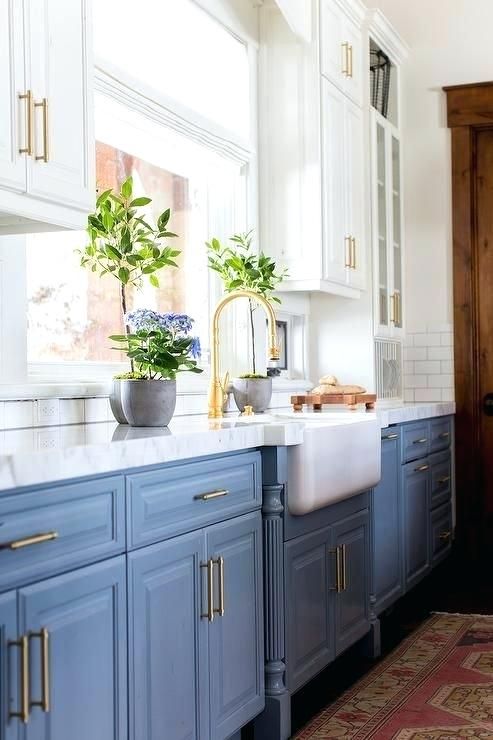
x,y
345,58
45,156
35,539
220,563
343,568
445,479
420,441
340,553
210,590
350,58
23,644
353,246
421,468
349,251
444,435
44,702
390,436
211,495
445,536
28,148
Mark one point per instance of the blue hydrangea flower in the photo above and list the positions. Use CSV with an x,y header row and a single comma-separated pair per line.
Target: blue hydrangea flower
x,y
146,319
195,348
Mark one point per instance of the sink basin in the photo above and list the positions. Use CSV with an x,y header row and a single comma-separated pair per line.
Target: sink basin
x,y
339,457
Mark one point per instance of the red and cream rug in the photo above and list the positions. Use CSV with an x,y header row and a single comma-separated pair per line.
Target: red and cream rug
x,y
438,684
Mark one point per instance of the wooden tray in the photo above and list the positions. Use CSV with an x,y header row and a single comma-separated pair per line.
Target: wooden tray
x,y
349,399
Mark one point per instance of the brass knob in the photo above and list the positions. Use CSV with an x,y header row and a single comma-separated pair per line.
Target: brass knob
x,y
248,411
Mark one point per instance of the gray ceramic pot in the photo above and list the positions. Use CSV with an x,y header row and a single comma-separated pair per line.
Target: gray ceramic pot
x,y
254,392
116,401
148,403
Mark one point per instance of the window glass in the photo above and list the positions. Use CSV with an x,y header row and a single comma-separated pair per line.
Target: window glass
x,y
177,49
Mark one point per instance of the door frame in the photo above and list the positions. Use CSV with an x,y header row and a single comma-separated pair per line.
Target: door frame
x,y
469,110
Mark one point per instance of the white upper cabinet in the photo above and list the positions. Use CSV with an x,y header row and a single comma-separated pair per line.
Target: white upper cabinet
x,y
341,47
46,116
314,202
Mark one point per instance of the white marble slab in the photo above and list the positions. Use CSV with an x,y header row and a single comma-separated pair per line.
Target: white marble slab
x,y
34,456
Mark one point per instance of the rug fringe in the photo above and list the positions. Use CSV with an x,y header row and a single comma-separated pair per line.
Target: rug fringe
x,y
463,614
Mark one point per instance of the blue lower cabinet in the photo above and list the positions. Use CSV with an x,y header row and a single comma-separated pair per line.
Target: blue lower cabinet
x,y
386,504
416,516
441,533
168,641
309,581
77,629
10,661
236,655
351,543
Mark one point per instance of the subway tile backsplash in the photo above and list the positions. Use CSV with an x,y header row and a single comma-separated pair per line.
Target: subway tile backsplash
x,y
429,364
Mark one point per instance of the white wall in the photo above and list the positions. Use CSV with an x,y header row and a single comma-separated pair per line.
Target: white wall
x,y
450,44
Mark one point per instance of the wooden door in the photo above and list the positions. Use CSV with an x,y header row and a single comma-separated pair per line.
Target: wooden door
x,y
168,689
236,655
470,117
83,657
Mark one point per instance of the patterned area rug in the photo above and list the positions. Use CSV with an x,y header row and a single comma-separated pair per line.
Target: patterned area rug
x,y
438,684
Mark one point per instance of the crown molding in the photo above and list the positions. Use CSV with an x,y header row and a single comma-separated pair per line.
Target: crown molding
x,y
384,33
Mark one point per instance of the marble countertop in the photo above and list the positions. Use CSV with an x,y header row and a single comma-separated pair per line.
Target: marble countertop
x,y
35,456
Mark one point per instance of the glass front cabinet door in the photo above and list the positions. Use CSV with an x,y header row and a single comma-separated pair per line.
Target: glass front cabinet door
x,y
387,226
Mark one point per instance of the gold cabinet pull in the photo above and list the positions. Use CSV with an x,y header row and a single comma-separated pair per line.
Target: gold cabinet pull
x,y
44,638
444,435
353,253
210,590
348,251
220,582
211,495
34,539
338,587
391,436
420,441
23,644
421,468
350,60
393,319
444,536
44,106
345,58
28,148
444,479
343,568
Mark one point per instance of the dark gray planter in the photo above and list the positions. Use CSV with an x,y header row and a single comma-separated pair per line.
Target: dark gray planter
x,y
116,401
254,392
148,403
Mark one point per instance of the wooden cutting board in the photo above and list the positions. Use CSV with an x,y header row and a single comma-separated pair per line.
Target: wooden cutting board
x,y
349,399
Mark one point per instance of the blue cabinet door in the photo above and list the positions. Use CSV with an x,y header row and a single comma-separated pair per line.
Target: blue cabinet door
x,y
9,668
168,640
84,658
236,656
386,516
309,570
351,601
416,520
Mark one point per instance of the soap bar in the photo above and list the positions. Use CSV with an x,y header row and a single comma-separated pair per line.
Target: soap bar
x,y
325,390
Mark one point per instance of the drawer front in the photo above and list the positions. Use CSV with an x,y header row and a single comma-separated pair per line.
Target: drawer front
x,y
441,478
391,433
179,498
440,434
415,441
441,533
47,531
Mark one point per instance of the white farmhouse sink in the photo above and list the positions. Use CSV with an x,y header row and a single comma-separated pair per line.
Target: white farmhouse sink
x,y
339,457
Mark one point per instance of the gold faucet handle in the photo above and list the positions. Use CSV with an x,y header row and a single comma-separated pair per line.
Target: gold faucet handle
x,y
248,411
274,353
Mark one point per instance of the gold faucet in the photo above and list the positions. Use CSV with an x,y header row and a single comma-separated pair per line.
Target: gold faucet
x,y
215,391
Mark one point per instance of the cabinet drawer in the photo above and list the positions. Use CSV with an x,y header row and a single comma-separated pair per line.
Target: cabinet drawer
x,y
341,52
180,498
441,533
50,530
440,434
415,441
441,478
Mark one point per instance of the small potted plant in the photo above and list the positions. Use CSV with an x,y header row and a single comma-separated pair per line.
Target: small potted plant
x,y
239,267
160,346
124,245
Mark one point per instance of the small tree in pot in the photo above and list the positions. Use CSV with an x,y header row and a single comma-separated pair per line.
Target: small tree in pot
x,y
160,346
124,245
239,267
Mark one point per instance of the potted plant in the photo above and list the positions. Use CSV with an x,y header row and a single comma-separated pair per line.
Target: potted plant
x,y
239,267
160,346
124,245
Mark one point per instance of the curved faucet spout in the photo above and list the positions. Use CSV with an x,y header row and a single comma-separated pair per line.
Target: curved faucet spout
x,y
215,391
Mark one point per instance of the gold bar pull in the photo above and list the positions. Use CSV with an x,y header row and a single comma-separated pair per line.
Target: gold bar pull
x,y
44,637
420,441
343,568
348,250
211,495
353,253
210,590
35,539
444,435
28,97
393,319
220,582
45,156
23,644
391,436
345,58
398,309
445,536
421,468
444,479
350,60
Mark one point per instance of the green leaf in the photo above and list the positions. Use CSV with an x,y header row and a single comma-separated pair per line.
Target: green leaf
x,y
142,201
123,275
126,188
101,198
154,281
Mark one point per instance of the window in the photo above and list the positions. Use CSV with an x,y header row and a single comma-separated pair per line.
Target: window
x,y
168,132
